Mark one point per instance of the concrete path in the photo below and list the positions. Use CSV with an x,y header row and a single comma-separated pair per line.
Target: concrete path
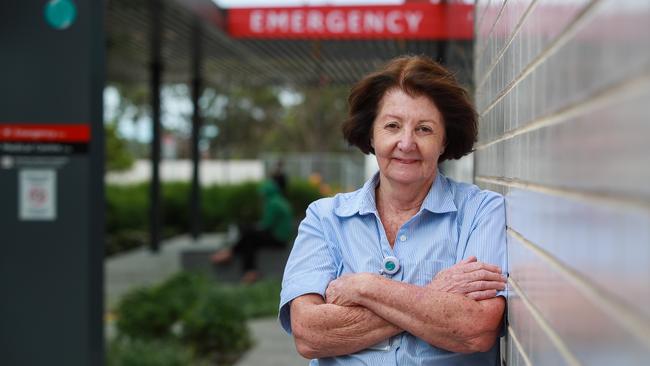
x,y
273,347
140,267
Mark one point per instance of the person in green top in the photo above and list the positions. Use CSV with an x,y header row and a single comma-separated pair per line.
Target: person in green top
x,y
274,230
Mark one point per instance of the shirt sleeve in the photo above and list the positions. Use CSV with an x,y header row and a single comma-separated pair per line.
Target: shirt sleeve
x,y
487,238
311,265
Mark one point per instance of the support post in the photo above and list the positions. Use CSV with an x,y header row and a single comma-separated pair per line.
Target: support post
x,y
156,73
195,196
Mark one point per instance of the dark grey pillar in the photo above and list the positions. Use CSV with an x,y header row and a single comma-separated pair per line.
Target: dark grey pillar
x,y
195,196
155,206
51,183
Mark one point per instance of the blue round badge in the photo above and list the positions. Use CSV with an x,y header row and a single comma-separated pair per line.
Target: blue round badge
x,y
390,265
60,14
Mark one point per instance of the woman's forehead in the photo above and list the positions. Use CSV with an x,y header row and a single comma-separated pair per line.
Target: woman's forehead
x,y
397,101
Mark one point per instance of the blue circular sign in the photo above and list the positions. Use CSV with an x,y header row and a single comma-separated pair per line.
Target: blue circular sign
x,y
60,14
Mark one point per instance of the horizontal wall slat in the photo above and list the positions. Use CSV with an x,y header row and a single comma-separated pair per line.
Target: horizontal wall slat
x,y
587,62
568,228
516,353
485,34
543,23
589,333
486,12
538,340
603,150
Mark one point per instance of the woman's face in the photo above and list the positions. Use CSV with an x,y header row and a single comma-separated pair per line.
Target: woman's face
x,y
408,136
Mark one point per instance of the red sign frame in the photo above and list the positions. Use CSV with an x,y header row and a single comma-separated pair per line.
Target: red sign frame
x,y
62,133
407,21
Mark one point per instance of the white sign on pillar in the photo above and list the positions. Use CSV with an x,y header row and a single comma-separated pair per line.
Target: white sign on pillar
x,y
37,199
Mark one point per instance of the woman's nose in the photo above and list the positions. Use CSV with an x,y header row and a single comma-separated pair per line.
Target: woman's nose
x,y
406,142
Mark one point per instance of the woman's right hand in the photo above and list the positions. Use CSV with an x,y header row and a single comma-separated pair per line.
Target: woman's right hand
x,y
471,278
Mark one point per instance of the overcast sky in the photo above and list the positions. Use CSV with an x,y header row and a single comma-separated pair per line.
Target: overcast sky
x,y
280,3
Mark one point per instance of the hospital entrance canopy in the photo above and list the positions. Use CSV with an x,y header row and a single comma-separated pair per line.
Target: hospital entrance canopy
x,y
195,42
304,45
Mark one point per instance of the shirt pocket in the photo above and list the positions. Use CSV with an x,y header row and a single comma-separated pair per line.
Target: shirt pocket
x,y
429,269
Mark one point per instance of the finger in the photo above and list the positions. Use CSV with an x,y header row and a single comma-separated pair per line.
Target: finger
x,y
485,275
469,259
475,266
482,295
485,285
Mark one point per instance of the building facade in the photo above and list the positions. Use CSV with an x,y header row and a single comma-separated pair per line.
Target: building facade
x,y
563,94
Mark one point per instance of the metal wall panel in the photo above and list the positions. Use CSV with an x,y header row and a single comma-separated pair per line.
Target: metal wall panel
x,y
599,148
562,90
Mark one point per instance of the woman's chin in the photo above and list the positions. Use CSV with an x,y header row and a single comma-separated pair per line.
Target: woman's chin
x,y
408,176
405,178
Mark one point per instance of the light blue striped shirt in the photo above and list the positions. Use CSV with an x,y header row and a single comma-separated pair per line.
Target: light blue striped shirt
x,y
343,234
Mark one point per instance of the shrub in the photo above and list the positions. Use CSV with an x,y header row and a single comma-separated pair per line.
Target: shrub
x,y
139,352
189,307
300,194
127,215
216,327
125,240
145,313
260,299
151,312
127,207
230,204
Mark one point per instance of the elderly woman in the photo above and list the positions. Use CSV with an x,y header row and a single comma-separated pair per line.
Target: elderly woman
x,y
388,274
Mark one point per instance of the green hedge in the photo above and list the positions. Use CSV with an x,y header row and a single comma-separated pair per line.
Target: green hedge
x,y
193,315
148,352
127,216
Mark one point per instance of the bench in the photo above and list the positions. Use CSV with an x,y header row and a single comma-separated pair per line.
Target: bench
x,y
271,262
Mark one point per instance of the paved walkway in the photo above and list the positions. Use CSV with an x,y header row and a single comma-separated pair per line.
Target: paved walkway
x,y
273,346
140,267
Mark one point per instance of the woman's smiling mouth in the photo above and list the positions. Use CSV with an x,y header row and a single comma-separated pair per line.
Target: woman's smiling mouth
x,y
406,161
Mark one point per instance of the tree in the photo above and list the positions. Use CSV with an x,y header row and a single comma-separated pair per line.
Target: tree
x,y
118,156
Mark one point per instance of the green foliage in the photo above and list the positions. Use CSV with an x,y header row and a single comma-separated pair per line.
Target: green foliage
x,y
146,313
300,194
124,240
216,326
127,207
118,156
261,299
230,204
127,216
151,312
208,318
140,352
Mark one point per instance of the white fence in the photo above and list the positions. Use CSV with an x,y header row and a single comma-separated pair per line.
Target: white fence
x,y
210,171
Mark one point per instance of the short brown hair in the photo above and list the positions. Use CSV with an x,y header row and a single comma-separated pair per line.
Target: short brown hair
x,y
415,75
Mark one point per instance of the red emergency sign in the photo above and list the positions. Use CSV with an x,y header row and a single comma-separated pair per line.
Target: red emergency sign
x,y
407,21
61,133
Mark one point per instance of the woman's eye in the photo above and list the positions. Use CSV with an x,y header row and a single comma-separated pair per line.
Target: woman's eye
x,y
425,129
392,125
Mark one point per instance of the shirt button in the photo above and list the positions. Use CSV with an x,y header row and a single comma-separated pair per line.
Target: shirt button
x,y
402,238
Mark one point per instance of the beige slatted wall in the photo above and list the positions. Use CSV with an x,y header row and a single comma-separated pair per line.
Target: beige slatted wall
x,y
563,93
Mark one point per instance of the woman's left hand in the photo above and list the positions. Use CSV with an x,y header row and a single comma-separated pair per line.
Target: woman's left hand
x,y
344,291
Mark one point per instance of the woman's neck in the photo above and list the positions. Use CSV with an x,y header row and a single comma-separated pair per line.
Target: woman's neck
x,y
401,198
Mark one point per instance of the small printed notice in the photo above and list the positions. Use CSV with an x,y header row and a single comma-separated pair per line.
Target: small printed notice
x,y
37,199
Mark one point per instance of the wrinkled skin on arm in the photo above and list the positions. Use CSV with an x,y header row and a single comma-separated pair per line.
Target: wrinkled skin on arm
x,y
446,320
445,313
326,330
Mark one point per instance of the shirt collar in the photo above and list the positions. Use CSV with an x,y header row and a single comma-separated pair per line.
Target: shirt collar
x,y
440,199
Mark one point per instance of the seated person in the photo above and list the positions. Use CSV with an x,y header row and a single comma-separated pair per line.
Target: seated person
x,y
274,230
